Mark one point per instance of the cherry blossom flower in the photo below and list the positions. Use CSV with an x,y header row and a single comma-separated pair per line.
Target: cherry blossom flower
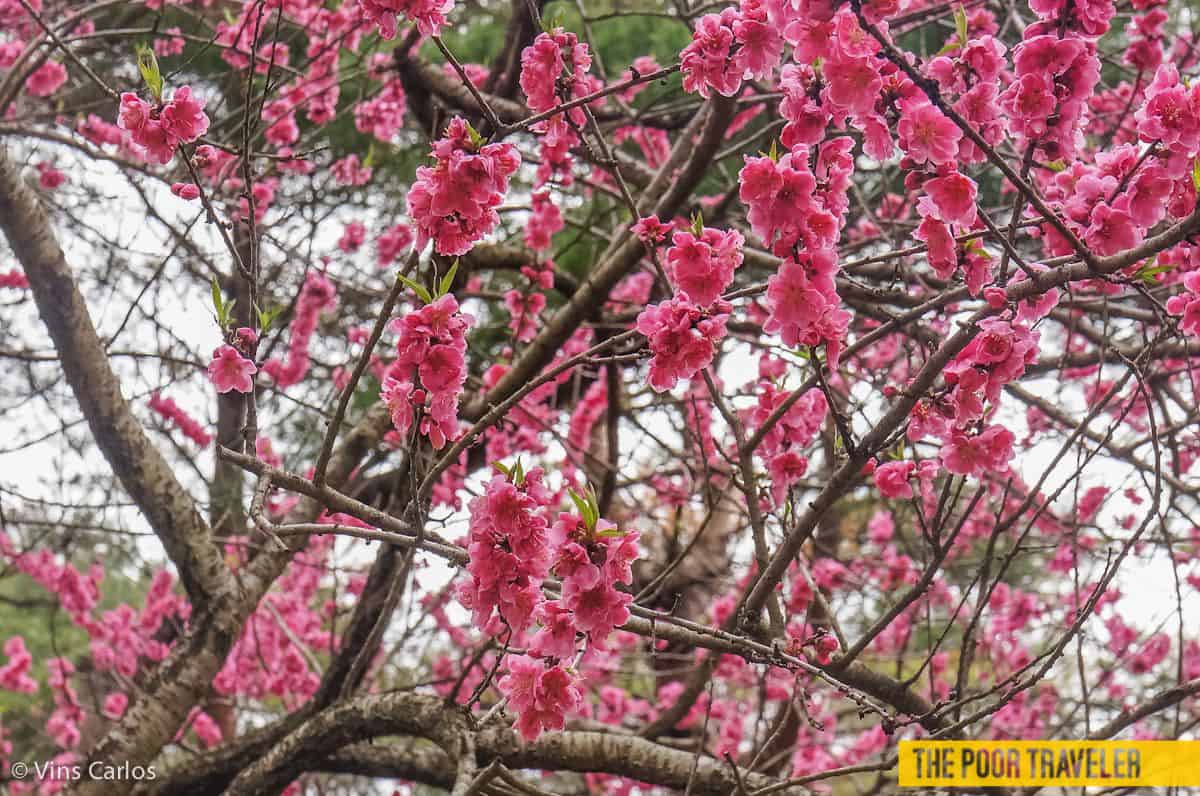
x,y
926,134
954,197
682,337
230,371
706,63
169,410
702,266
541,695
429,15
46,79
158,130
453,203
892,479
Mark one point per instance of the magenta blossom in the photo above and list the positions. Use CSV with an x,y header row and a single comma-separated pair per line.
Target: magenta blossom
x,y
230,371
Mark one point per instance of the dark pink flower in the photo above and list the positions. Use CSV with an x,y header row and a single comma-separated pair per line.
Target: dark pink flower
x,y
230,371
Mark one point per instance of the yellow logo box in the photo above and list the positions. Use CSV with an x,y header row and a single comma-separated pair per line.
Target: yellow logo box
x,y
1157,764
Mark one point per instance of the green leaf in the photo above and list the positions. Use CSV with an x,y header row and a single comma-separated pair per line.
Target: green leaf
x,y
698,224
1149,272
1056,166
581,504
518,473
500,468
218,301
773,154
960,24
148,66
1196,174
448,280
476,138
611,533
417,288
267,317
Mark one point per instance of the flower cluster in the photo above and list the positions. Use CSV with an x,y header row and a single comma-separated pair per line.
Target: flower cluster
x,y
783,445
429,15
14,675
544,220
392,243
14,278
683,338
509,553
430,370
317,295
541,694
354,234
800,213
159,129
454,202
592,557
512,549
735,45
383,115
702,265
554,70
46,79
1055,77
1187,304
169,410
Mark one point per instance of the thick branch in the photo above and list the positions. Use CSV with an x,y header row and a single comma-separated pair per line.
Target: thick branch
x,y
142,470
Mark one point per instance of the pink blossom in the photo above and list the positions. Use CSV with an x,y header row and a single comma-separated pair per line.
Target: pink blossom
x,y
169,410
429,15
954,197
159,130
46,79
1111,230
987,452
651,230
353,236
188,191
14,675
940,244
706,63
524,310
230,371
541,695
1170,114
382,116
556,638
544,220
761,45
317,295
431,347
554,70
926,134
682,338
702,267
183,116
453,203
114,705
392,243
892,479
14,278
854,83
